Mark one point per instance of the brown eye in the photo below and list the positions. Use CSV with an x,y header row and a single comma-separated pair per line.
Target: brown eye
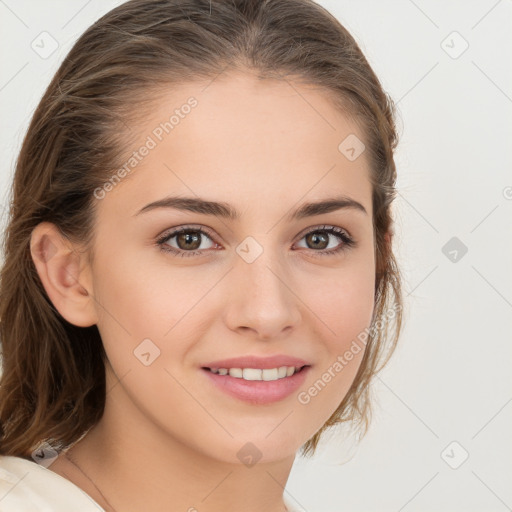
x,y
322,240
317,241
186,240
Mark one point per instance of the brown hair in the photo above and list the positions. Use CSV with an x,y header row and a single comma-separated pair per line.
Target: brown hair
x,y
53,383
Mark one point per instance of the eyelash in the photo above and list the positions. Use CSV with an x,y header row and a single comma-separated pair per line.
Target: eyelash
x,y
348,242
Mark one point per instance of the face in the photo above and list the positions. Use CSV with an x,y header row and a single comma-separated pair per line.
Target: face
x,y
261,283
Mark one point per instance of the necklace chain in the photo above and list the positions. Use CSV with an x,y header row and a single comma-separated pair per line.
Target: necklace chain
x,y
88,478
92,481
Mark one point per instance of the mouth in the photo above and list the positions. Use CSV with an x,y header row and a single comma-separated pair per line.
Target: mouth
x,y
258,374
257,386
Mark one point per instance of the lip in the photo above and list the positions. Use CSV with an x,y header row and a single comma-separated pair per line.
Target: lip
x,y
258,392
257,362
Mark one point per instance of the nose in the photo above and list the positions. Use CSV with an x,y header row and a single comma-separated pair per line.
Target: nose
x,y
261,299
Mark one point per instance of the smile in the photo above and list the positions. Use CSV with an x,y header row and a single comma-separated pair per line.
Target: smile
x,y
258,386
265,374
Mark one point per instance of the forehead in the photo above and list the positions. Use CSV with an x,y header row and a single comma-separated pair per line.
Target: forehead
x,y
246,140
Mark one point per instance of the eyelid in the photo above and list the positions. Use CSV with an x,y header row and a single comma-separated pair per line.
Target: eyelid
x,y
187,227
209,231
172,232
321,227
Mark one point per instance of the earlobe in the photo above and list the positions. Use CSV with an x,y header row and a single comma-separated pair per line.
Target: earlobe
x,y
60,267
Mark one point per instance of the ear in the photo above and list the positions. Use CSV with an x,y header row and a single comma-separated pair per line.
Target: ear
x,y
64,273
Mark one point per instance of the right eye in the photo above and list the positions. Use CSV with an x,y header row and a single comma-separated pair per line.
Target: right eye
x,y
188,241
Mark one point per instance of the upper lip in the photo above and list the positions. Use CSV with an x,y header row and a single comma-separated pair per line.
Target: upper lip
x,y
257,362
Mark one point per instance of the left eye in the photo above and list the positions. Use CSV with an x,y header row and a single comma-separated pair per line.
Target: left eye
x,y
319,239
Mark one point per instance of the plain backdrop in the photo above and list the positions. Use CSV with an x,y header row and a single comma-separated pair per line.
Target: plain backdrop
x,y
444,403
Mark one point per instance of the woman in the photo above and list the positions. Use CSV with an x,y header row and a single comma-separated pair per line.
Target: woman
x,y
199,277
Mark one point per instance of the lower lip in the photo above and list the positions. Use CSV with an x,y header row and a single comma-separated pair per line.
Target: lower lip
x,y
258,391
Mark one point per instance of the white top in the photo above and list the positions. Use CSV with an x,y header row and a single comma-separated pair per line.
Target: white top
x,y
26,486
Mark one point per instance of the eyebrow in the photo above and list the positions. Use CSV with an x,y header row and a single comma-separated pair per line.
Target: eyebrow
x,y
225,210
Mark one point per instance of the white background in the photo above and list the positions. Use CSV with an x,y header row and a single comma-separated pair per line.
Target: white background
x,y
450,379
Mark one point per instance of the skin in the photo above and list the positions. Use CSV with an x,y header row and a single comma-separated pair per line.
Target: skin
x,y
168,439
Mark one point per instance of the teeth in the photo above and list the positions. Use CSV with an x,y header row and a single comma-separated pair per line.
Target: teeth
x,y
258,373
281,372
236,372
254,374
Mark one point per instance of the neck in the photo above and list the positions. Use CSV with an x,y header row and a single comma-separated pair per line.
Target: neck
x,y
136,466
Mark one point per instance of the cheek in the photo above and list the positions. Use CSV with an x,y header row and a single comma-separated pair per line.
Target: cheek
x,y
343,307
343,302
132,291
153,300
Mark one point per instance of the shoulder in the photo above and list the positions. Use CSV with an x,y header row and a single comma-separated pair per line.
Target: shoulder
x,y
290,504
26,486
